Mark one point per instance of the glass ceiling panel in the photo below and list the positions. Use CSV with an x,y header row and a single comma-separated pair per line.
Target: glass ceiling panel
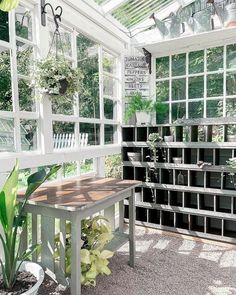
x,y
101,2
135,11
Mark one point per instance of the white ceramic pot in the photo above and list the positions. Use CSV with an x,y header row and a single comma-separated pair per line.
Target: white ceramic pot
x,y
169,138
134,157
177,160
138,197
37,271
231,138
143,118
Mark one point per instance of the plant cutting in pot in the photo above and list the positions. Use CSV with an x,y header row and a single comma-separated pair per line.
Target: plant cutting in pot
x,y
8,5
14,267
56,77
95,234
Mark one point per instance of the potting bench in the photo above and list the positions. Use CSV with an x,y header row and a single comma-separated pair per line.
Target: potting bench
x,y
74,200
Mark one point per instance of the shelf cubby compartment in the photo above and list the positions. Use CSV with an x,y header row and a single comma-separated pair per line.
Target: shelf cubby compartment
x,y
146,155
126,211
228,182
222,156
127,150
206,202
181,177
166,131
191,200
229,228
148,195
206,155
214,226
166,176
154,216
202,133
194,134
128,173
223,204
182,221
128,134
140,173
190,156
141,134
197,178
162,197
167,218
154,130
217,133
213,180
197,223
175,153
138,194
176,198
179,134
141,214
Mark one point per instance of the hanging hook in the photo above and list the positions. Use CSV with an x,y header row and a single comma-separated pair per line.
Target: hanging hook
x,y
56,16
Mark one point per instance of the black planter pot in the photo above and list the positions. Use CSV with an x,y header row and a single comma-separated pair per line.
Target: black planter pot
x,y
63,86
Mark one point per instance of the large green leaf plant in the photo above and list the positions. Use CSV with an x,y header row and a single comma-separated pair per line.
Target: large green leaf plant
x,y
13,220
8,5
95,234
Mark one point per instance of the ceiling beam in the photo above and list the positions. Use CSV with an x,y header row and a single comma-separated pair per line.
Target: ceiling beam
x,y
112,5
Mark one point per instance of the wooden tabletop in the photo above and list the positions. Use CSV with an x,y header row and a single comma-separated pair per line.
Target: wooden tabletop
x,y
79,192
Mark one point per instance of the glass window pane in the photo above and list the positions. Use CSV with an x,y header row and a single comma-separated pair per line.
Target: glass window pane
x,y
26,96
109,63
196,87
86,166
69,169
179,64
215,85
163,118
231,56
63,107
64,43
162,90
178,111
63,135
4,26
231,83
214,108
109,86
92,131
109,109
88,63
195,109
23,22
110,134
196,62
162,67
5,81
7,135
215,59
28,130
231,107
179,89
24,58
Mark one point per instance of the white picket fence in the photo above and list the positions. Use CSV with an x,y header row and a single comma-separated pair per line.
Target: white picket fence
x,y
67,140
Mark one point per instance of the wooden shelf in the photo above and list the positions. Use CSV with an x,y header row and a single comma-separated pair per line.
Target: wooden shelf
x,y
184,145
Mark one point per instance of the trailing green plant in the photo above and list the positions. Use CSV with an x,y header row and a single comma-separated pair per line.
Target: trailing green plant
x,y
56,77
95,234
8,5
138,103
13,220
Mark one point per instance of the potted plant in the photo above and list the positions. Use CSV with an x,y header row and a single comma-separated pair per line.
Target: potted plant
x,y
8,5
231,134
95,234
14,267
56,77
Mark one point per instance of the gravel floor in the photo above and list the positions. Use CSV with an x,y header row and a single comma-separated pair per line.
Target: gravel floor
x,y
167,264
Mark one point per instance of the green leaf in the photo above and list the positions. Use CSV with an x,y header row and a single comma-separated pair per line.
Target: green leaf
x,y
105,254
85,256
3,211
8,5
10,191
25,255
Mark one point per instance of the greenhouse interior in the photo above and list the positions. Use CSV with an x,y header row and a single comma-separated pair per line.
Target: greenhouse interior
x,y
117,147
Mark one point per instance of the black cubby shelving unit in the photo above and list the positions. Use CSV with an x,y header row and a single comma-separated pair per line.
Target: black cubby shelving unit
x,y
204,203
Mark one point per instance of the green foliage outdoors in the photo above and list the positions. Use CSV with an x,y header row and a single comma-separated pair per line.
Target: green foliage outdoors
x,y
8,5
13,221
113,166
95,234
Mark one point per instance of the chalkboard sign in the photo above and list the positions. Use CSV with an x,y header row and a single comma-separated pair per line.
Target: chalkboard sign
x,y
136,75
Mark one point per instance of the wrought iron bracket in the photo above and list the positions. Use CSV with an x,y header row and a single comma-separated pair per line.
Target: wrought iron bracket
x,y
57,13
148,58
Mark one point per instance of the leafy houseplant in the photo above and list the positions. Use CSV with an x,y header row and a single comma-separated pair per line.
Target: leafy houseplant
x,y
143,108
231,163
95,234
13,221
56,77
8,5
231,136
